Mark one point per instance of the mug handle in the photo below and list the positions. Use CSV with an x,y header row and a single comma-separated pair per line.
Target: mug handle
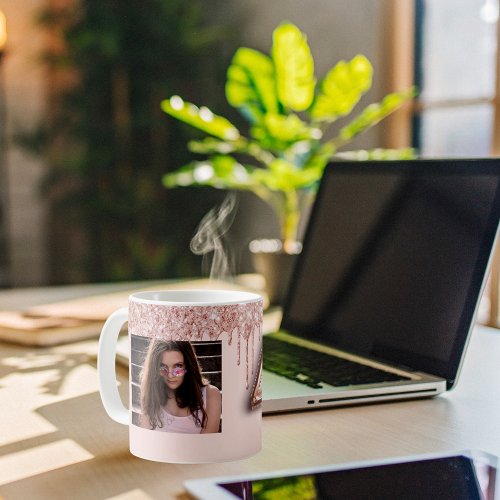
x,y
106,355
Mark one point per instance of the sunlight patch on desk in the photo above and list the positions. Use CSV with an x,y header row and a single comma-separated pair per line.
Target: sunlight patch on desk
x,y
55,374
79,381
33,361
44,458
34,385
132,495
21,427
21,395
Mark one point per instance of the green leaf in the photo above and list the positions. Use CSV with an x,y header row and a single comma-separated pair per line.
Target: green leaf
x,y
200,118
279,132
294,66
342,88
220,171
251,85
224,172
213,146
378,154
374,113
209,146
284,176
319,157
289,128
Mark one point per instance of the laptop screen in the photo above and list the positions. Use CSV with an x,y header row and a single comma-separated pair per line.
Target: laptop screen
x,y
394,258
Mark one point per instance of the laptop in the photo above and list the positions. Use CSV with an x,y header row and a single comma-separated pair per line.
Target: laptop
x,y
383,296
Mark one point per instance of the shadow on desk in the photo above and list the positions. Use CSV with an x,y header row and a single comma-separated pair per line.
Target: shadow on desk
x,y
87,456
86,452
36,361
68,448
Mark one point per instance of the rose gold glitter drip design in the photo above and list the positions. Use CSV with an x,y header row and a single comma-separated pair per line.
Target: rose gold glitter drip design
x,y
200,323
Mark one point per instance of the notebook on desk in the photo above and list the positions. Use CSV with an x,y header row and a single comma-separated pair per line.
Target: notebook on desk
x,y
384,294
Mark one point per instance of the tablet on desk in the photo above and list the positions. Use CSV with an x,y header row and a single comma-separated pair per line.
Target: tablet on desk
x,y
467,475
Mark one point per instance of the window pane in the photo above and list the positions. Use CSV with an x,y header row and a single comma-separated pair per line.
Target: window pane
x,y
458,49
464,131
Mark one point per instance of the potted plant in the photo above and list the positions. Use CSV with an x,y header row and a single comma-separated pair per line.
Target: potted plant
x,y
282,158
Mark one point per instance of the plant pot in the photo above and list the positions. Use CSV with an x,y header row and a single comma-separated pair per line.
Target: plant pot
x,y
275,265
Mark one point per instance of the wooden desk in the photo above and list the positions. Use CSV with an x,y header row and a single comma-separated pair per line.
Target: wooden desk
x,y
57,442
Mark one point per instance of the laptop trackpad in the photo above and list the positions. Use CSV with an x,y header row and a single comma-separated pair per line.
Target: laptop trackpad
x,y
276,387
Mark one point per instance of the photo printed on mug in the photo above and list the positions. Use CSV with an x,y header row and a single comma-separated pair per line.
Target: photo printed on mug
x,y
177,374
176,385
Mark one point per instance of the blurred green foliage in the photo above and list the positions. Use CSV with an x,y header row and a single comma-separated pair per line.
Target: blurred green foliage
x,y
108,143
289,487
284,155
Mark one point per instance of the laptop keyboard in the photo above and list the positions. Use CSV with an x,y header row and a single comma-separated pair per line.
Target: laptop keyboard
x,y
313,368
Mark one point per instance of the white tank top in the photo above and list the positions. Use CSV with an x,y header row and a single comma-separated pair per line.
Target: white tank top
x,y
185,425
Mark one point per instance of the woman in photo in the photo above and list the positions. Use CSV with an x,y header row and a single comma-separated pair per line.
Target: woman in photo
x,y
175,397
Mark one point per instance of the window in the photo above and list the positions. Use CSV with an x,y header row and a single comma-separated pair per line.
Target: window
x,y
451,50
455,70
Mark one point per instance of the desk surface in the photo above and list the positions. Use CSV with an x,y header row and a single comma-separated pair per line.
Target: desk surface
x,y
57,442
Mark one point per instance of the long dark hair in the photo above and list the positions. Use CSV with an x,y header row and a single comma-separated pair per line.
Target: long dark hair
x,y
154,390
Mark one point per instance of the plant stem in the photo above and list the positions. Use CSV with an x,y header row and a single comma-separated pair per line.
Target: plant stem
x,y
254,150
290,220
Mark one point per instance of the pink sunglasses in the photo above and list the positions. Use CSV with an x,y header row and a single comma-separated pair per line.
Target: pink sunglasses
x,y
176,372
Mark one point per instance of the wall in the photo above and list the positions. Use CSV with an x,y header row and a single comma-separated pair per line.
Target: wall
x,y
25,95
336,29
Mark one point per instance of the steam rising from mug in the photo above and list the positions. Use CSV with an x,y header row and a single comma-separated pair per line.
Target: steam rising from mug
x,y
210,233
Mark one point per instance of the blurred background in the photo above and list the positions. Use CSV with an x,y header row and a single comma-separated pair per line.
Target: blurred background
x,y
84,144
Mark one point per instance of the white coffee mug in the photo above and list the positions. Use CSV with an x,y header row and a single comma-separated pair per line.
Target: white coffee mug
x,y
195,374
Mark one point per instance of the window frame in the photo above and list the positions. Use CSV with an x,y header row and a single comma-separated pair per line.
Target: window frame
x,y
402,46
